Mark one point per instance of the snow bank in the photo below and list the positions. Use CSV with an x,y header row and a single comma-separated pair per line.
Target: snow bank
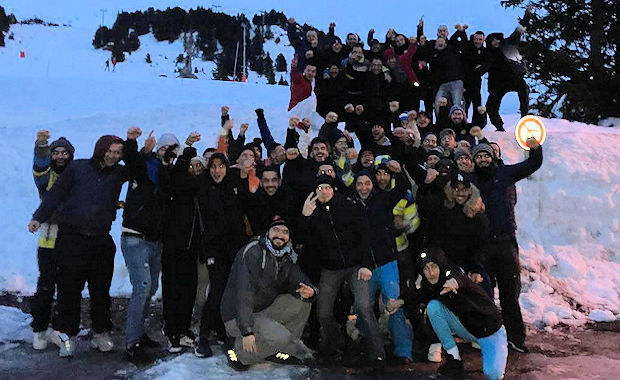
x,y
567,212
15,327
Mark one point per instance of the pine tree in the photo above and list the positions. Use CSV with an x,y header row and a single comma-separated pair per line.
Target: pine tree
x,y
281,63
102,37
4,25
572,53
268,70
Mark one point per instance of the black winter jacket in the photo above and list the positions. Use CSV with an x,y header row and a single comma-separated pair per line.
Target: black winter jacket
x,y
337,233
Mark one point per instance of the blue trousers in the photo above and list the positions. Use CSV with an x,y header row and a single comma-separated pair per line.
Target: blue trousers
x,y
494,347
143,261
385,279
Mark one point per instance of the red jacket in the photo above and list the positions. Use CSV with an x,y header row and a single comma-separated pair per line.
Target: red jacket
x,y
405,61
301,88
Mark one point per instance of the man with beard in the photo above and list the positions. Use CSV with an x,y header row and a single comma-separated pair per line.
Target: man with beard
x,y
86,199
50,162
266,302
502,264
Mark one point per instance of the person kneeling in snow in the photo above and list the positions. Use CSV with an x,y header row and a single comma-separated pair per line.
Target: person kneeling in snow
x,y
458,306
267,302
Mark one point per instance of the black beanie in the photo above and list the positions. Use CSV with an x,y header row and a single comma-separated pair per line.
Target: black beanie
x,y
324,179
62,142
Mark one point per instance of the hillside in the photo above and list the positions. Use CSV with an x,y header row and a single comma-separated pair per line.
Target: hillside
x,y
568,212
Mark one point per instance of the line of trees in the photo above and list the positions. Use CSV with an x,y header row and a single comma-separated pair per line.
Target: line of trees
x,y
217,36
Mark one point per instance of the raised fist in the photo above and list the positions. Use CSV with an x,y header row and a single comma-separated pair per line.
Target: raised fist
x,y
394,166
133,133
42,137
349,108
293,121
292,153
359,109
351,153
244,127
532,143
332,25
225,110
331,117
192,138
371,31
481,109
228,125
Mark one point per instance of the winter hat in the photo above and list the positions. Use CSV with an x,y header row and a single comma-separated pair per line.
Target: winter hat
x,y
199,159
277,220
457,107
458,153
499,149
460,177
437,151
324,179
364,150
482,147
365,172
444,166
403,116
103,144
62,142
437,256
166,140
333,135
445,132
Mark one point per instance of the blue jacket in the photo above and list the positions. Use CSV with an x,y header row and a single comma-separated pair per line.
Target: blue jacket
x,y
495,184
89,195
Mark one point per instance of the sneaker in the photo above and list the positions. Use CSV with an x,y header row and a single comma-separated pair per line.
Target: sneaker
x,y
233,361
451,367
102,342
202,348
147,342
188,339
39,340
522,348
63,342
434,353
175,345
135,353
476,346
283,358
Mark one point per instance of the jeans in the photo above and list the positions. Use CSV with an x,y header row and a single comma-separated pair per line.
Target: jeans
x,y
276,328
83,259
330,330
450,90
41,304
385,278
494,347
143,261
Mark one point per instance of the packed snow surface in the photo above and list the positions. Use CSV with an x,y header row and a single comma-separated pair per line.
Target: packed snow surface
x,y
567,212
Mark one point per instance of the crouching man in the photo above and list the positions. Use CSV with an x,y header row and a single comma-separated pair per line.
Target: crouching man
x,y
267,302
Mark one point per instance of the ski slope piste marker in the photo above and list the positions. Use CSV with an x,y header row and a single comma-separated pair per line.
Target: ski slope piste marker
x,y
530,126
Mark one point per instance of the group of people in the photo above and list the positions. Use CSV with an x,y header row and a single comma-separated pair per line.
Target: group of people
x,y
308,248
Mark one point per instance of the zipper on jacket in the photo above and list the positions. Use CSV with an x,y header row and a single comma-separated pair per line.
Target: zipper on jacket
x,y
331,221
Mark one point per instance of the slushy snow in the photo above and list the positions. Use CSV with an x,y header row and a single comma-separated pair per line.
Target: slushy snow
x,y
567,212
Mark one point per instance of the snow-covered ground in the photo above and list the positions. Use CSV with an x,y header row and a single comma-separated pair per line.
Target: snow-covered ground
x,y
568,212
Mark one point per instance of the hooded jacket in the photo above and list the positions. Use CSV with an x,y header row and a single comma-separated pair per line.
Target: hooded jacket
x,y
472,306
256,278
89,195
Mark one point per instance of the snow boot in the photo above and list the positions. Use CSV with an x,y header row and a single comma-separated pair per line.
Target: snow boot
x,y
135,353
519,347
188,339
40,340
451,367
147,342
175,345
283,358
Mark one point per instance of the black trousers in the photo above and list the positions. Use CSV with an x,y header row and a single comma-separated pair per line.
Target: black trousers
x,y
472,94
84,259
211,318
178,279
495,99
504,269
43,299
